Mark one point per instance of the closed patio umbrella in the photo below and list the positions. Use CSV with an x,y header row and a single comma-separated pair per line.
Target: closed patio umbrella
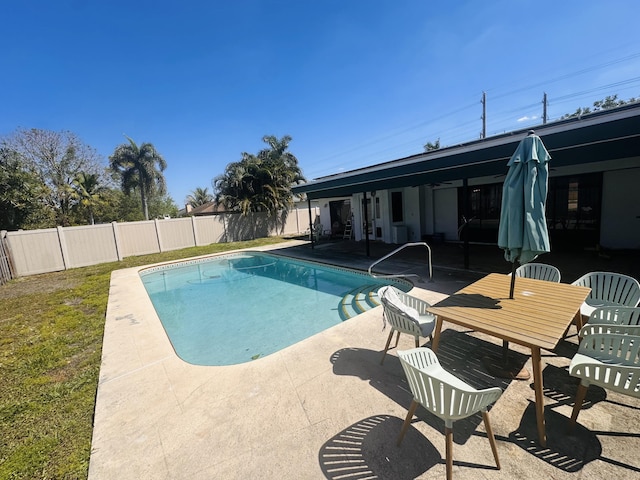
x,y
523,230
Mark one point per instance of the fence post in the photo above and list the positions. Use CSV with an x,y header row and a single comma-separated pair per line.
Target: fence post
x,y
194,227
63,247
116,239
158,234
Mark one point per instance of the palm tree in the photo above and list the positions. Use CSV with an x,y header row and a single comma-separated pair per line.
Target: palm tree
x,y
139,167
88,191
235,188
260,183
200,196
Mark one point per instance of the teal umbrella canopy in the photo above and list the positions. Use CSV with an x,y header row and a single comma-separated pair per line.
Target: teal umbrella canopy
x,y
523,233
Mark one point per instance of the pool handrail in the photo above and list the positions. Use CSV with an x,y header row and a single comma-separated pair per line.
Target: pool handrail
x,y
401,247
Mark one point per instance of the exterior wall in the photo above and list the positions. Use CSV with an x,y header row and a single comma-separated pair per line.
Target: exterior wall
x,y
324,216
411,204
430,210
620,227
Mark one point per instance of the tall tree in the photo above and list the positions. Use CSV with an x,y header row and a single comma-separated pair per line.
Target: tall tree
x,y
22,195
262,182
139,167
610,101
199,196
429,146
88,191
56,158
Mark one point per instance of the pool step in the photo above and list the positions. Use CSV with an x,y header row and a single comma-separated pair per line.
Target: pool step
x,y
359,300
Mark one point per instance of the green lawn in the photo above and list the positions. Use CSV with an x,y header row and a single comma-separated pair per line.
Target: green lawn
x,y
51,329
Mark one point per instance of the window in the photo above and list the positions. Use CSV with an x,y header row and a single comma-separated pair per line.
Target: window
x,y
396,207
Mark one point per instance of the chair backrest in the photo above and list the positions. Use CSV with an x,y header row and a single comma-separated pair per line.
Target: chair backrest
x,y
613,320
611,287
400,315
440,392
613,348
539,271
616,365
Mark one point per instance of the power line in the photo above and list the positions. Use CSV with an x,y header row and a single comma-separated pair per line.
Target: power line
x,y
460,131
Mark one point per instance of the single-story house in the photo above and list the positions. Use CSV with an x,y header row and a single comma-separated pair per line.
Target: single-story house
x,y
456,191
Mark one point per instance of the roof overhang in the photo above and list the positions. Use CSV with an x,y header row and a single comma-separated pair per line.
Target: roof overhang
x,y
605,135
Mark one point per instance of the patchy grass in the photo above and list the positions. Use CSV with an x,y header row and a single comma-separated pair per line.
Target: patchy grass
x,y
51,329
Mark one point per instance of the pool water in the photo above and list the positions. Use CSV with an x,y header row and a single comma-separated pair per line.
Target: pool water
x,y
235,308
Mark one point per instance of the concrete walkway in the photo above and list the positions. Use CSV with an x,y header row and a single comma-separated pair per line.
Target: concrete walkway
x,y
326,408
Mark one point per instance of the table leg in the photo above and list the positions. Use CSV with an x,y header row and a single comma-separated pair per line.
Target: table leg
x,y
436,334
536,360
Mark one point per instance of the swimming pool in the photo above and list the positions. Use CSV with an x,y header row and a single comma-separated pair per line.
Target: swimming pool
x,y
234,308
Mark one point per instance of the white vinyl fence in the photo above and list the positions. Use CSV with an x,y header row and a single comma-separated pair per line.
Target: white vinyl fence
x,y
30,252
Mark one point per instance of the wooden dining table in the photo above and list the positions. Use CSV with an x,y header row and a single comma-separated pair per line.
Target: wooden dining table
x,y
537,317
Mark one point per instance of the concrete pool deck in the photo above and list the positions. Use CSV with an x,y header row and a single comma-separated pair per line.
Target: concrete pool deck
x,y
326,408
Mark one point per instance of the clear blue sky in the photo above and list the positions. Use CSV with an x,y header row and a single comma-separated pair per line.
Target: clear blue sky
x,y
354,82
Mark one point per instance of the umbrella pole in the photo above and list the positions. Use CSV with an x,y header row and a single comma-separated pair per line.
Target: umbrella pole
x,y
513,279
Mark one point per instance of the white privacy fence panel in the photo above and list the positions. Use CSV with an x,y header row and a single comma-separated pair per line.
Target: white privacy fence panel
x,y
209,229
54,249
137,238
88,245
175,233
35,251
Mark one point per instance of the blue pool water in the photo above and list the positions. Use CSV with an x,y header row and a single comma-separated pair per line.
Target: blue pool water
x,y
234,308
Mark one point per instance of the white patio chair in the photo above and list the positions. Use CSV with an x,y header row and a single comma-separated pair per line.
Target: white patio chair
x,y
539,271
608,289
613,320
609,360
406,314
444,395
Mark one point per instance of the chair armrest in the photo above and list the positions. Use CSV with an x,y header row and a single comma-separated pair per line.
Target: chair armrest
x,y
606,328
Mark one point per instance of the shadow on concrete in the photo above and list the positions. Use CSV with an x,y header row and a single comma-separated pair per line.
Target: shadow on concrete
x,y
567,452
367,449
459,353
562,387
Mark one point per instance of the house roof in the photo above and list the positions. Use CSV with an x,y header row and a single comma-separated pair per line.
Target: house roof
x,y
209,208
605,135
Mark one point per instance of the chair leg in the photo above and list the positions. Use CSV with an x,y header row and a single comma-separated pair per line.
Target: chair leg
x,y
417,341
407,421
492,439
448,433
397,338
580,394
386,347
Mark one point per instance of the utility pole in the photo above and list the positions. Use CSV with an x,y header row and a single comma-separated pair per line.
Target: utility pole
x,y
484,115
544,108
